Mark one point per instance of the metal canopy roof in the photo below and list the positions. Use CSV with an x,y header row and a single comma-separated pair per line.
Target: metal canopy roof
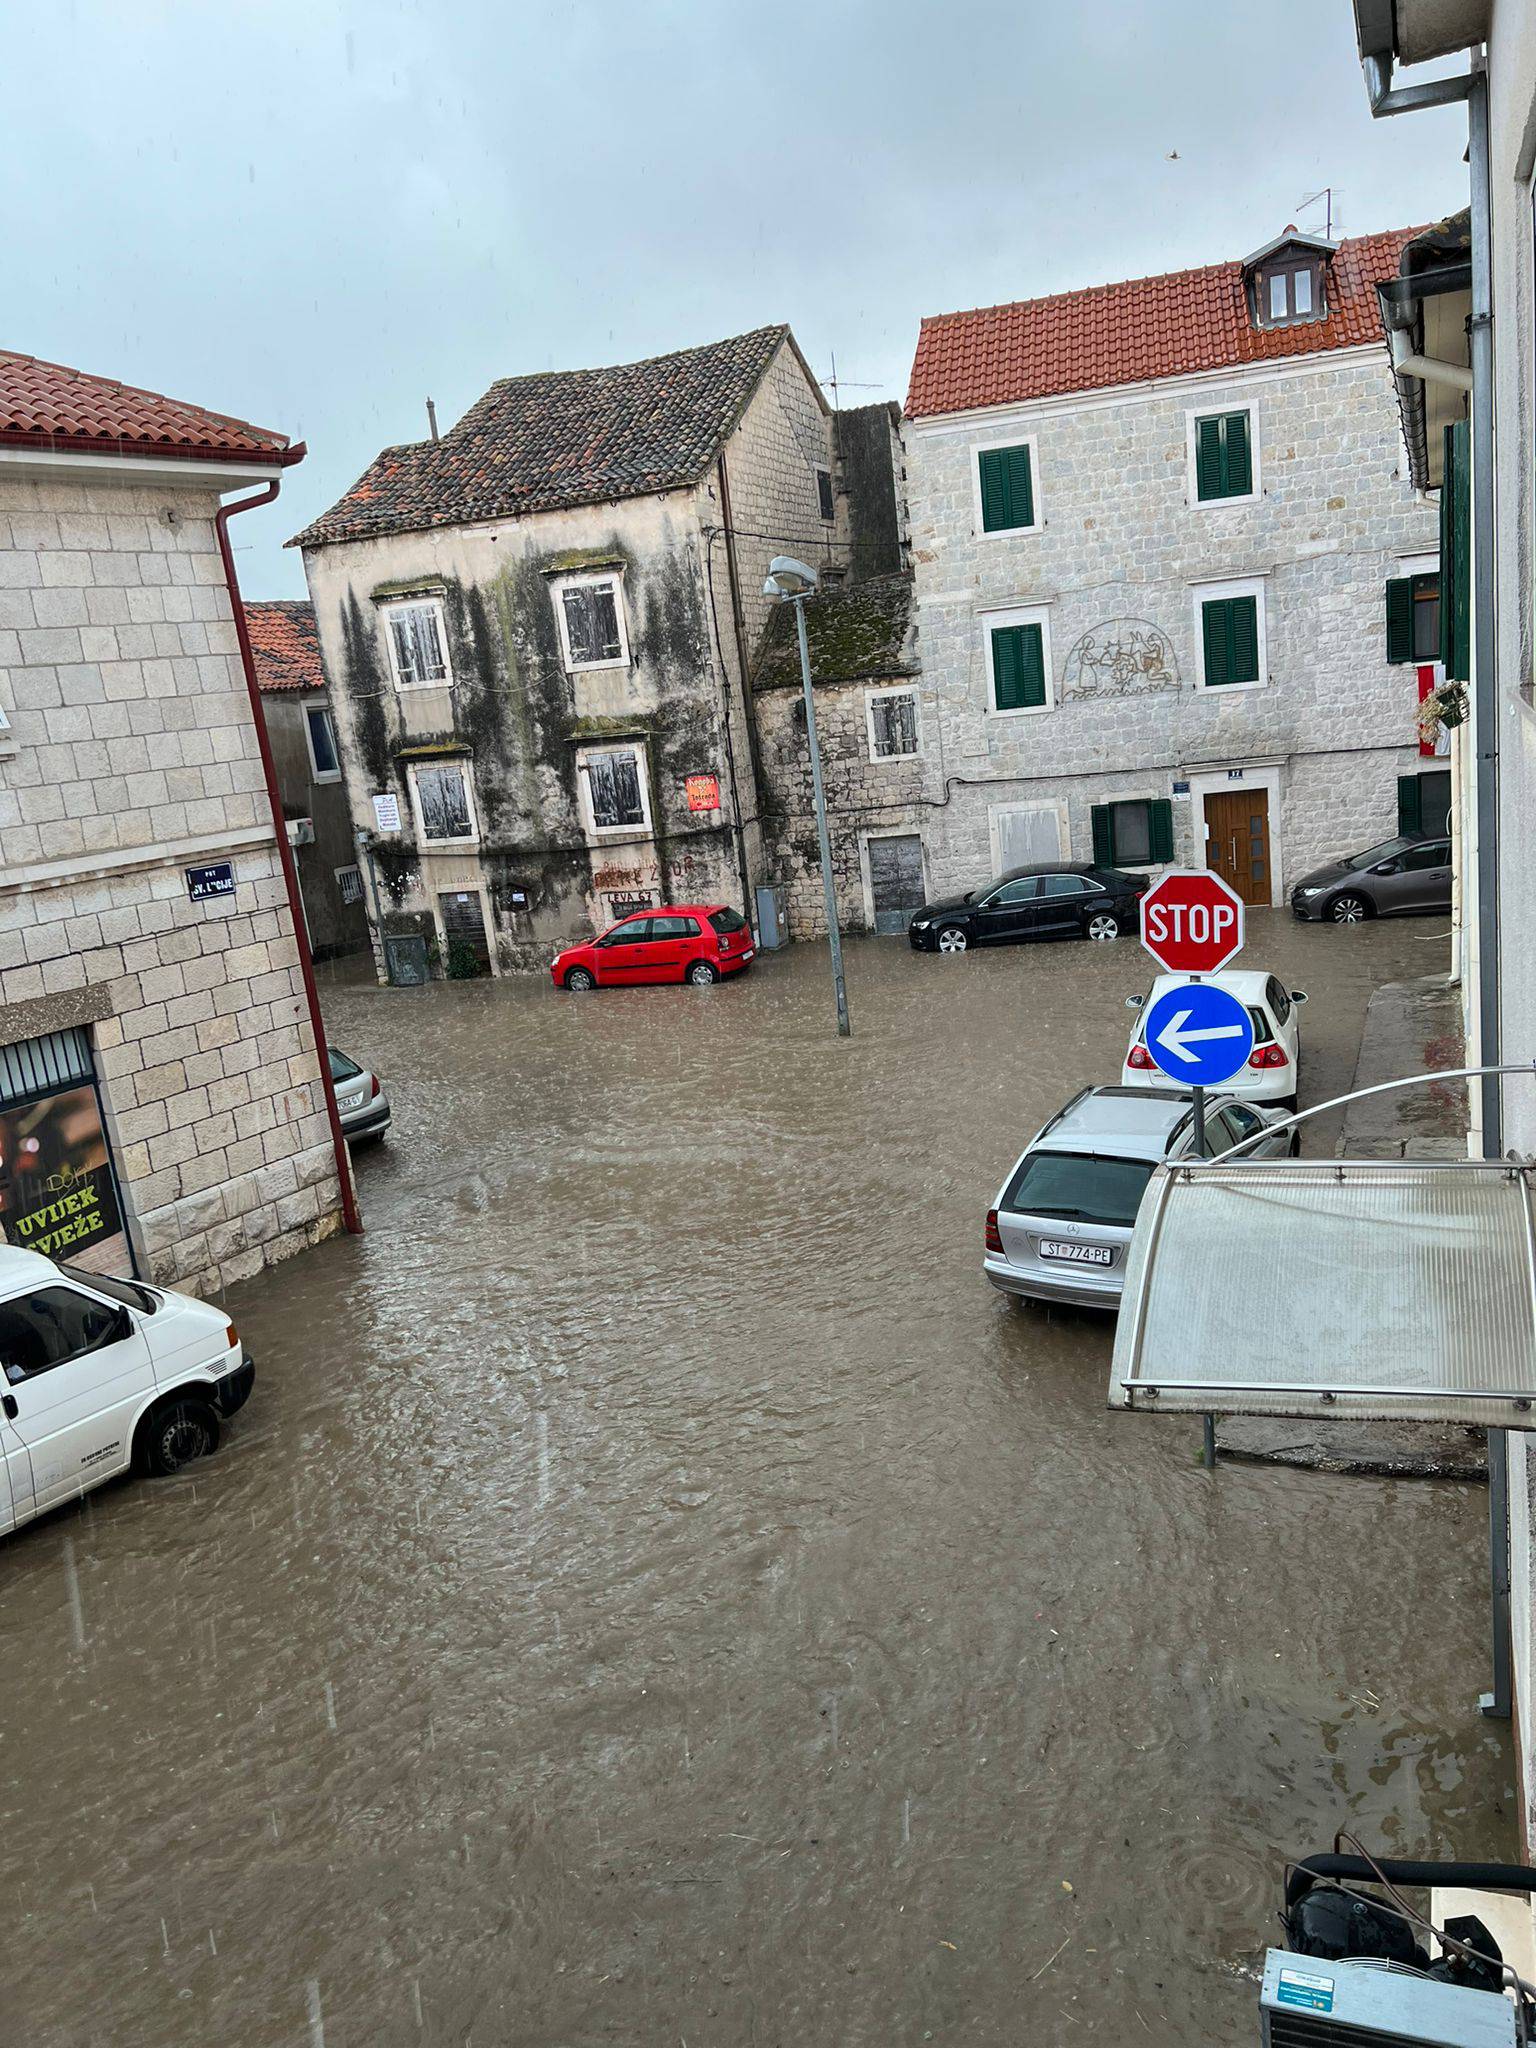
x,y
1358,1288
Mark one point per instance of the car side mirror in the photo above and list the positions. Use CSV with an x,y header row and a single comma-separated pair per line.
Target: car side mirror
x,y
1298,995
1134,1002
1387,867
123,1328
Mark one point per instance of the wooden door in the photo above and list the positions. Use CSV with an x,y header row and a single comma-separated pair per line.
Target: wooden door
x,y
1237,841
895,881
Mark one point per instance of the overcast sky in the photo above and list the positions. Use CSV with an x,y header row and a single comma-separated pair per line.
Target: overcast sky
x,y
313,213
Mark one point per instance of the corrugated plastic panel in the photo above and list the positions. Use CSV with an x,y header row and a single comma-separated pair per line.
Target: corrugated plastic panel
x,y
1356,1288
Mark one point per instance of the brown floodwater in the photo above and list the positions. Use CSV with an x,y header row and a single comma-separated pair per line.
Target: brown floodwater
x,y
658,1593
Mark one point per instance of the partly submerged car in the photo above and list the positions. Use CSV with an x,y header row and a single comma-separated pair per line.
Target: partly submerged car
x,y
1052,900
693,942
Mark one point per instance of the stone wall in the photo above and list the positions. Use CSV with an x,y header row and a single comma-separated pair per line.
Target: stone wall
x,y
1118,554
131,755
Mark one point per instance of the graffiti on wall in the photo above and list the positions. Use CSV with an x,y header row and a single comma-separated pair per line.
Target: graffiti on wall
x,y
1121,658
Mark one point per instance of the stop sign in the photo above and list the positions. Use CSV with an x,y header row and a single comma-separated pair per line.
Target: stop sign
x,y
1191,921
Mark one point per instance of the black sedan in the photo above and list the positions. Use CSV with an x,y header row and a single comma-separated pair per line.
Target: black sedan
x,y
1063,900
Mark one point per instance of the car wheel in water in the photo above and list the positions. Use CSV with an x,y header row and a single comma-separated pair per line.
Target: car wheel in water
x,y
580,979
952,940
1348,910
701,974
176,1434
1103,926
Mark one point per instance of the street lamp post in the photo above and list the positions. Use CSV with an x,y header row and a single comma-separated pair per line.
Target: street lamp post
x,y
791,582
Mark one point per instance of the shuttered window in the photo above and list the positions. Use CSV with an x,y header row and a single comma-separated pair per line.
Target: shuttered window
x,y
1018,668
1230,630
1223,457
1007,489
1413,618
1456,555
1133,835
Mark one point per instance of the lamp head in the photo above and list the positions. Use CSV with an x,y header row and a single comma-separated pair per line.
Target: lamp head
x,y
789,578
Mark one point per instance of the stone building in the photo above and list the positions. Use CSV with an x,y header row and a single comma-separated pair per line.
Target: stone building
x,y
538,631
162,1104
872,710
302,733
1155,531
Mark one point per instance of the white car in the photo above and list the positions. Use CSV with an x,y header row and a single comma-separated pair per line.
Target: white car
x,y
99,1375
1275,1062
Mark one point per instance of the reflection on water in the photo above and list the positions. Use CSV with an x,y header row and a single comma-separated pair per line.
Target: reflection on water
x,y
657,1592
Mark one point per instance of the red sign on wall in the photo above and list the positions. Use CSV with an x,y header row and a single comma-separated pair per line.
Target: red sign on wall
x,y
703,792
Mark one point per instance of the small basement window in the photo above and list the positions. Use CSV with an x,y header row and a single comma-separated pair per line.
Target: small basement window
x,y
349,881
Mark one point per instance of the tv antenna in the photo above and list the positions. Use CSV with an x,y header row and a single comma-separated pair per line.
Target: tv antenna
x,y
1325,193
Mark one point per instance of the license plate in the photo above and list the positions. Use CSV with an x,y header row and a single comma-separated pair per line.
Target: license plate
x,y
1077,1254
349,1102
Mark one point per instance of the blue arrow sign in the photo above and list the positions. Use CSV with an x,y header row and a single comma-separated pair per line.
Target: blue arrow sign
x,y
1199,1035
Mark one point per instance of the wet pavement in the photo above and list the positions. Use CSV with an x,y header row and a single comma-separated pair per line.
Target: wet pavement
x,y
658,1593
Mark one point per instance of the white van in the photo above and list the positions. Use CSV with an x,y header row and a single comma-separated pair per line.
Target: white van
x,y
97,1375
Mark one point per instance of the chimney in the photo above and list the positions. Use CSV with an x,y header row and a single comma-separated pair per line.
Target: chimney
x,y
432,419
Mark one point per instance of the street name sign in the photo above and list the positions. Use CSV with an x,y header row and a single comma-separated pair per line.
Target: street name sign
x,y
1199,1035
1191,921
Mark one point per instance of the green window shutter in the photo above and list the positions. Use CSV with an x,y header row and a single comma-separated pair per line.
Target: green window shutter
x,y
1239,476
1230,626
1223,457
1400,618
1213,625
1103,835
1244,639
1208,459
1410,804
1018,667
1160,829
1456,555
1007,489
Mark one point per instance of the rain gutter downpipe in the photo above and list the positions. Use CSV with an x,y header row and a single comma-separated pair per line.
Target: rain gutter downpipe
x,y
225,513
1472,86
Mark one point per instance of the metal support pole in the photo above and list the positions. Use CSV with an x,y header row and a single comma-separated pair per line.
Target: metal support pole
x,y
1199,1095
834,936
1485,739
1208,1448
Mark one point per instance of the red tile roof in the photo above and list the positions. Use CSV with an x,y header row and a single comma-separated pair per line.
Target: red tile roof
x,y
1185,321
46,405
285,644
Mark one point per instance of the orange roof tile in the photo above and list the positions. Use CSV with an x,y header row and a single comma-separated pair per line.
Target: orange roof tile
x,y
285,644
1180,323
48,405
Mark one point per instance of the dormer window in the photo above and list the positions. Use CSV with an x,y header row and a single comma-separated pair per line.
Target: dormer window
x,y
1288,281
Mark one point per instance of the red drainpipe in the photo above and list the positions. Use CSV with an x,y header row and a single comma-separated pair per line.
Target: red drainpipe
x,y
225,513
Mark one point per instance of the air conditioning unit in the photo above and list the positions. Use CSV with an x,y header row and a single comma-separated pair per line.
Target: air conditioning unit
x,y
1308,2002
301,831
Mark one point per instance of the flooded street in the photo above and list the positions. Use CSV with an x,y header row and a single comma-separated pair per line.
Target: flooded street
x,y
658,1593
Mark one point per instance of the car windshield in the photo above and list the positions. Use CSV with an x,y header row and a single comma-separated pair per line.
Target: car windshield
x,y
1389,849
129,1292
1079,1187
343,1069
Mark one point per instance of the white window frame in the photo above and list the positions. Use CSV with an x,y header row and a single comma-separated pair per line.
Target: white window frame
x,y
871,697
316,772
360,897
1018,615
978,449
594,831
589,580
462,763
400,604
1191,480
1206,593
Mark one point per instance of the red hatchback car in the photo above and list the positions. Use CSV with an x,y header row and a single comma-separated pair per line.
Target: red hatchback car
x,y
694,942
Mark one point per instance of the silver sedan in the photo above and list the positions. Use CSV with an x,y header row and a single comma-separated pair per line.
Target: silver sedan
x,y
360,1099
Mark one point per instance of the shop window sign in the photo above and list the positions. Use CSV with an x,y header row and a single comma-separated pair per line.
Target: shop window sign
x,y
58,1193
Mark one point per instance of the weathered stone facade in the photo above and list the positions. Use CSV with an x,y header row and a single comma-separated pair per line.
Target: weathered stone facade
x,y
1113,569
131,755
536,869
